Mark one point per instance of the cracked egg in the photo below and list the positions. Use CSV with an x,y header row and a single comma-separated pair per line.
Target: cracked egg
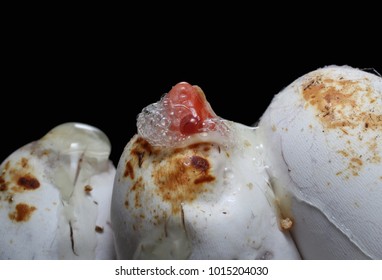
x,y
191,185
324,152
55,197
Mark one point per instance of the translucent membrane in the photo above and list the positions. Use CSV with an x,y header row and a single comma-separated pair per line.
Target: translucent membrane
x,y
155,123
78,139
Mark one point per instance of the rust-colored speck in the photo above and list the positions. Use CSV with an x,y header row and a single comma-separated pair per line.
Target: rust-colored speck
x,y
355,166
88,189
344,131
22,212
140,156
129,171
141,142
136,193
206,148
180,175
99,229
24,162
200,163
143,146
343,153
3,185
357,161
204,179
137,185
28,182
6,166
140,149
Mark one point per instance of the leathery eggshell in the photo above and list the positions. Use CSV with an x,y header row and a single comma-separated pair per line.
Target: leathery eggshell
x,y
55,196
324,151
202,198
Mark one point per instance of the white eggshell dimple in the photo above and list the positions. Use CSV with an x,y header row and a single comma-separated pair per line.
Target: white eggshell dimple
x,y
204,200
55,196
324,152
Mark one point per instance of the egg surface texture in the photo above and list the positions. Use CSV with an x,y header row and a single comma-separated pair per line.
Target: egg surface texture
x,y
191,185
322,140
55,196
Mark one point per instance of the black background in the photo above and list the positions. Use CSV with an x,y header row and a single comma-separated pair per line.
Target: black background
x,y
103,71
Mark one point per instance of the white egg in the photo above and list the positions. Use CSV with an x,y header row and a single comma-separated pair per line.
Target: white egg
x,y
55,196
203,197
323,147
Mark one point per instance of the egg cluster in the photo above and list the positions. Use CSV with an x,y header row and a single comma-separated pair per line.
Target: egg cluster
x,y
306,182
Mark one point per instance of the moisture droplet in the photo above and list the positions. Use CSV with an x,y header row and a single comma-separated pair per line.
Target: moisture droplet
x,y
228,173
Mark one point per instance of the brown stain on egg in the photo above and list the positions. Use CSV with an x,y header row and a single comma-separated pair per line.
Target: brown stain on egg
x,y
138,188
200,163
17,177
137,196
140,150
129,171
342,103
88,189
99,229
164,179
24,162
355,166
3,185
136,201
343,153
28,182
22,212
6,166
350,107
135,193
182,175
330,98
3,181
179,175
